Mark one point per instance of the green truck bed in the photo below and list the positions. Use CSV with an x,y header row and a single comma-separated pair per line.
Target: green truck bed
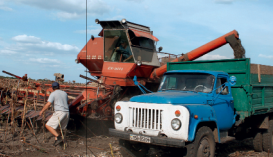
x,y
253,92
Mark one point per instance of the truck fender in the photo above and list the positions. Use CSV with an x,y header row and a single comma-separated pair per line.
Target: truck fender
x,y
202,115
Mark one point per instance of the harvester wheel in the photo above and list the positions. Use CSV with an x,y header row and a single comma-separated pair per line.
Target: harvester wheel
x,y
132,150
107,111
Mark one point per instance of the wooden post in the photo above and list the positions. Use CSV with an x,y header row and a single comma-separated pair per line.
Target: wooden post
x,y
1,98
6,129
7,93
24,112
13,106
34,105
17,91
43,126
12,112
61,132
44,117
38,96
36,124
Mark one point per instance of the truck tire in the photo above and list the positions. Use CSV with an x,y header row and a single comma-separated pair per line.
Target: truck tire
x,y
132,150
203,145
268,138
258,142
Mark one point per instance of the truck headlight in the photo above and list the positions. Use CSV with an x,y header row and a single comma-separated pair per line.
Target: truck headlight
x,y
118,118
176,124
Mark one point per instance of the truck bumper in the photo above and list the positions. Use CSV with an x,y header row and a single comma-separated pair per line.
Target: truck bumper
x,y
162,141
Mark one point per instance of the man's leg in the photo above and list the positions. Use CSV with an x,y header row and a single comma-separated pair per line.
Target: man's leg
x,y
53,131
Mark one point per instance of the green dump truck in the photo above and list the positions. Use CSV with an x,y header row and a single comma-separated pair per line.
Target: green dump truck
x,y
198,104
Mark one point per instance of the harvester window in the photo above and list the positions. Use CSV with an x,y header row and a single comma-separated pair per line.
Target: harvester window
x,y
143,48
116,46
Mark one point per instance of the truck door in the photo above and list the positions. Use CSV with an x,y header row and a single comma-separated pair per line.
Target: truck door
x,y
223,104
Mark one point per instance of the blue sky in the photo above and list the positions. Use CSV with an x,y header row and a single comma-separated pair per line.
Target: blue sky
x,y
41,38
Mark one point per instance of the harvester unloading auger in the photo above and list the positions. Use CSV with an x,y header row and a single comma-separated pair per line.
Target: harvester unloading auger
x,y
115,68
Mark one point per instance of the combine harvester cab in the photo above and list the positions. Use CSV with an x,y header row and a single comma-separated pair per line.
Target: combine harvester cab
x,y
106,58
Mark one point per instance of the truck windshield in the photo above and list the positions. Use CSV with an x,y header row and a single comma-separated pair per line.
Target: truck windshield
x,y
196,82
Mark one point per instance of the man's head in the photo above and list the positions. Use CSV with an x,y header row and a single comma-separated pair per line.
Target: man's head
x,y
55,85
123,43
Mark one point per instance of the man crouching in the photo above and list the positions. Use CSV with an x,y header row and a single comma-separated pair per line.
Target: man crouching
x,y
61,113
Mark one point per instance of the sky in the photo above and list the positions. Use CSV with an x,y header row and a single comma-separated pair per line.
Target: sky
x,y
40,38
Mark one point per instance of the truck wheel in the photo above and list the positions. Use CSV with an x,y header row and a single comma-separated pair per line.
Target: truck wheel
x,y
203,145
258,142
268,138
132,150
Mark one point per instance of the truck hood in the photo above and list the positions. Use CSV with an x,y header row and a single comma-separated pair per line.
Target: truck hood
x,y
172,97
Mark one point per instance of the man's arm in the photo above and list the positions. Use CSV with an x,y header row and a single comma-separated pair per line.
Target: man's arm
x,y
127,53
128,58
45,108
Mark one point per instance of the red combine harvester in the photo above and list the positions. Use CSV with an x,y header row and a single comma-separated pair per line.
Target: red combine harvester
x,y
124,50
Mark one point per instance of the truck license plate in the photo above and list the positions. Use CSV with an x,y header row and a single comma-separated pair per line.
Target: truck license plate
x,y
140,138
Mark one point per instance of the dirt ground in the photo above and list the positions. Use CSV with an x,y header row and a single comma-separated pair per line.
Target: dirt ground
x,y
95,144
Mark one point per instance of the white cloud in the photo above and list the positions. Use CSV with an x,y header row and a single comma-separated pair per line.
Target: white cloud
x,y
212,57
8,52
25,38
32,44
44,60
266,56
52,66
66,15
36,53
70,9
4,7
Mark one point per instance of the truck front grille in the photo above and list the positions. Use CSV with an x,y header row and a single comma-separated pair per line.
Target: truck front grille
x,y
146,118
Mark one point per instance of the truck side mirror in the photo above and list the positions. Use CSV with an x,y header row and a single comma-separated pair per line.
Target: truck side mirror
x,y
232,80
